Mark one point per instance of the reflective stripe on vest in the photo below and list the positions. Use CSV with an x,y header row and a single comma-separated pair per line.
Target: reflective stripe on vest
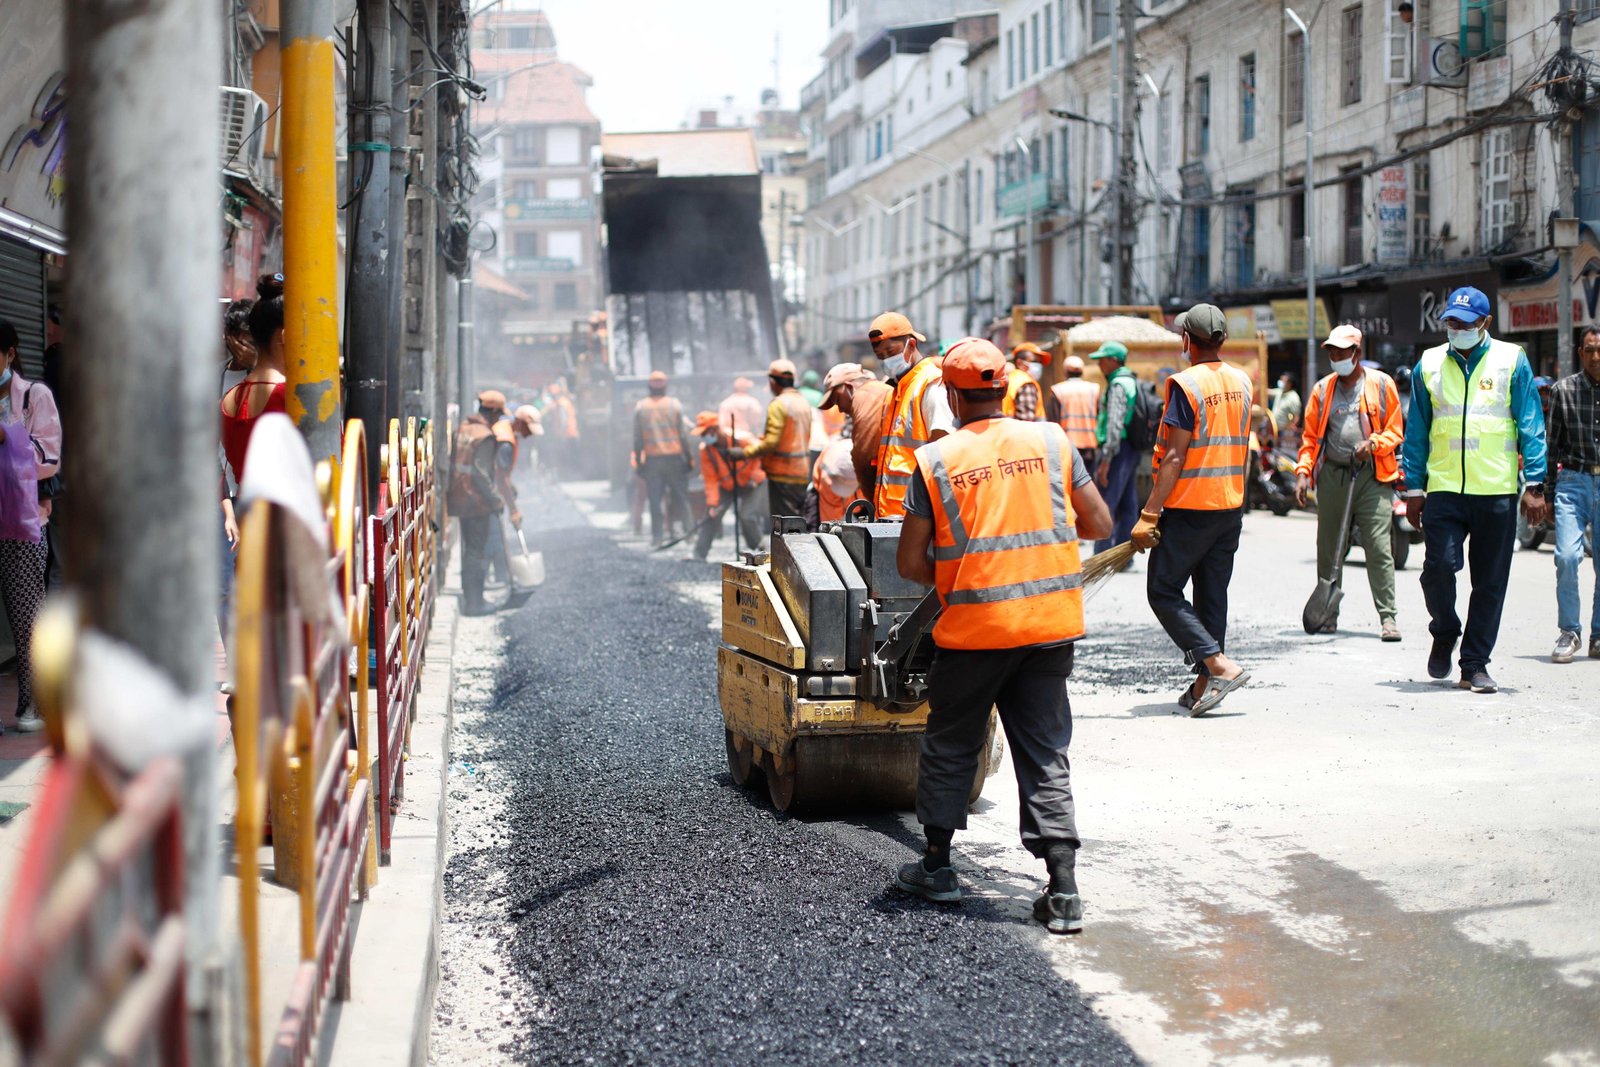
x,y
1080,411
1005,544
1472,417
1219,450
903,433
661,420
790,461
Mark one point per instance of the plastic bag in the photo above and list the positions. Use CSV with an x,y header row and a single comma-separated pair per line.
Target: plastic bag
x,y
19,486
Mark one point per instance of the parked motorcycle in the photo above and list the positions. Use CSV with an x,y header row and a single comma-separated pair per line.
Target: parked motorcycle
x,y
1273,485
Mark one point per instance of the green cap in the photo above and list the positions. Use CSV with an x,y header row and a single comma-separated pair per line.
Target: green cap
x,y
1206,322
810,378
1111,350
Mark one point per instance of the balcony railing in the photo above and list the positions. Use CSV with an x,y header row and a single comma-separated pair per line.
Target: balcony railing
x,y
547,208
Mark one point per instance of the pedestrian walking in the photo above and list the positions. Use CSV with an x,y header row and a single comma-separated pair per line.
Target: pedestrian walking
x,y
1074,405
1353,431
661,449
726,479
263,389
1474,410
1191,522
1022,382
478,462
853,391
785,445
1117,468
30,431
1287,409
918,412
1573,425
992,521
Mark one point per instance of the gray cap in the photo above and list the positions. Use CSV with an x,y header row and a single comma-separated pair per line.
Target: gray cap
x,y
1204,321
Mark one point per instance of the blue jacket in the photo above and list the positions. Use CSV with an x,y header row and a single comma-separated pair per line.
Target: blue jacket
x,y
1525,408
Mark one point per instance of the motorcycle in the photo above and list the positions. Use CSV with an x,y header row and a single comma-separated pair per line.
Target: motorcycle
x,y
1273,485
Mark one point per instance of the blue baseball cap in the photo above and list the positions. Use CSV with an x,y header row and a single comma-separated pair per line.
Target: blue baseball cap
x,y
1543,382
1466,304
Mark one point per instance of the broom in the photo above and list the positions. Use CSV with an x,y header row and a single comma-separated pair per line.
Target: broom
x,y
1103,565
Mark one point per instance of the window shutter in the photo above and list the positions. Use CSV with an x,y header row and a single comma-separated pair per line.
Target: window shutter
x,y
1398,49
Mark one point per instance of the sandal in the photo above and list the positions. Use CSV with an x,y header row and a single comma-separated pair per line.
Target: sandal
x,y
1216,690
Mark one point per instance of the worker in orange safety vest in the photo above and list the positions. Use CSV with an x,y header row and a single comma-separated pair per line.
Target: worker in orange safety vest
x,y
785,446
1074,405
661,449
1023,394
725,479
919,412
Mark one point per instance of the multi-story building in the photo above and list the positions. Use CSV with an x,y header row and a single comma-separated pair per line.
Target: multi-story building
x,y
539,139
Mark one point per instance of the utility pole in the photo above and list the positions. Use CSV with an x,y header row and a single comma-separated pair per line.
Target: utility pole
x,y
1127,126
1310,374
144,220
371,256
399,239
1566,173
310,224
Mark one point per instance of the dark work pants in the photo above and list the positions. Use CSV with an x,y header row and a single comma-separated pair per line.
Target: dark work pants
x,y
664,475
474,558
1029,688
751,521
1449,520
495,552
786,498
1122,496
1196,546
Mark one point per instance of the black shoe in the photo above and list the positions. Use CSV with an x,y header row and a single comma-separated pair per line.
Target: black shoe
x,y
476,610
1439,657
1061,913
1478,681
939,886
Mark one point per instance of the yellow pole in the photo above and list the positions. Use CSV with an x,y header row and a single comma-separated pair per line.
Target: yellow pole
x,y
310,241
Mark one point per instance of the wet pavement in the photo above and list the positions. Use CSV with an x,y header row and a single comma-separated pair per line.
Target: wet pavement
x,y
612,897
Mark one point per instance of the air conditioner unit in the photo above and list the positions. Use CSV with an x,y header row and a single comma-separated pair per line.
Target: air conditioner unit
x,y
244,132
1442,64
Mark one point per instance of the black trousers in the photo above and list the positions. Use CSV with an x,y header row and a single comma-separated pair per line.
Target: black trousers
x,y
1121,495
786,498
1198,547
1458,529
1028,686
474,556
752,523
665,475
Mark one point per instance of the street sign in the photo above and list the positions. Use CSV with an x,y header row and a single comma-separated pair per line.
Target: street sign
x,y
1394,222
1489,83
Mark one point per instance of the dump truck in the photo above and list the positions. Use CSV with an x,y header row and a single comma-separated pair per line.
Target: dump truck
x,y
690,291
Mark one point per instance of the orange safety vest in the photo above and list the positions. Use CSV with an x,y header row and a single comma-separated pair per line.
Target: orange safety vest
x,y
1381,420
1017,380
660,421
569,416
1005,541
904,433
1080,409
1219,451
474,483
790,461
719,475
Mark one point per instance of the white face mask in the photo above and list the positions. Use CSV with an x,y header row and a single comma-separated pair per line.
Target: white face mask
x,y
894,366
1036,371
1341,367
1463,340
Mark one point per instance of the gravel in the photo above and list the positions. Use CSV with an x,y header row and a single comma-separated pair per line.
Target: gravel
x,y
612,897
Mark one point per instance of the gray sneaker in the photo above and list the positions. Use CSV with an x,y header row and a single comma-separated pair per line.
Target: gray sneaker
x,y
1478,681
939,886
1061,913
29,722
1567,646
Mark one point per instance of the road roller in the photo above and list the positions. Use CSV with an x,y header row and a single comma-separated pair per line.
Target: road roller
x,y
822,670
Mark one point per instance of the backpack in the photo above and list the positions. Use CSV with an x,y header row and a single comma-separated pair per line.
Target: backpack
x,y
1144,421
472,483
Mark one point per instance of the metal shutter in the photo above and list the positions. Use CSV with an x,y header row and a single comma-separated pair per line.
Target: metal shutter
x,y
22,301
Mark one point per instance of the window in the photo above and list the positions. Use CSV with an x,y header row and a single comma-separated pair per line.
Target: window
x,y
526,142
564,188
1247,97
1242,241
1200,116
1049,36
1421,207
977,195
1353,212
1100,20
1164,133
1496,175
1035,23
1483,28
565,147
944,194
1200,256
1297,228
519,37
566,295
888,133
927,213
1294,79
525,244
565,244
1350,57
1011,58
524,190
1061,27
1588,10
1398,48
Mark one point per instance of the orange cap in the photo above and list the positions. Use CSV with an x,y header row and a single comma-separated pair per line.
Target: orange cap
x,y
705,422
973,363
780,368
891,324
1030,351
658,377
492,400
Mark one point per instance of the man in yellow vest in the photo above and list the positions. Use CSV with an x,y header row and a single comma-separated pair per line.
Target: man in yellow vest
x,y
992,521
1022,381
785,447
918,412
1474,412
1074,405
1195,511
662,454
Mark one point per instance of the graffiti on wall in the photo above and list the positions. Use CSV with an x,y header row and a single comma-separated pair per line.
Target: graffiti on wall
x,y
43,135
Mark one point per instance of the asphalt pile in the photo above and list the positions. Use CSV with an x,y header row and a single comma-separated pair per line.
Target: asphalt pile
x,y
655,913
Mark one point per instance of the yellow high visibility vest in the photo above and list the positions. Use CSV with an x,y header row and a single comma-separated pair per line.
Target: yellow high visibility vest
x,y
1472,444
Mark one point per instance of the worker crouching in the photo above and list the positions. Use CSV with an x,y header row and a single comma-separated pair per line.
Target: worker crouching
x,y
992,521
730,485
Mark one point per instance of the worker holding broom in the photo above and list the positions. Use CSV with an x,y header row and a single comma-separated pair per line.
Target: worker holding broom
x,y
992,521
725,479
1192,519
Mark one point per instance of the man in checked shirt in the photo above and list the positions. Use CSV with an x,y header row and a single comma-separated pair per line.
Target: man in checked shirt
x,y
1574,436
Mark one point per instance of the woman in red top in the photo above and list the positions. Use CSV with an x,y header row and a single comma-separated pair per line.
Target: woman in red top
x,y
263,389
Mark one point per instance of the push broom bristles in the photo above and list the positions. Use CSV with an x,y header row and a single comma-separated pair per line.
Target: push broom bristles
x,y
1103,565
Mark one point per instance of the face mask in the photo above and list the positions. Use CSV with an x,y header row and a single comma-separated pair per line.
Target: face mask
x,y
1463,340
1341,367
1036,371
894,366
5,378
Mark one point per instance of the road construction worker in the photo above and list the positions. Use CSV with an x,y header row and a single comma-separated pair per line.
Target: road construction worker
x,y
1074,405
785,445
1353,430
564,427
533,424
1022,382
917,412
661,449
726,478
808,387
477,482
1191,521
1474,411
745,411
992,522
834,484
851,390
1117,458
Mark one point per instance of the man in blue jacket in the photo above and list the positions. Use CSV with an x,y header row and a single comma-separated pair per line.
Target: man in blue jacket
x,y
1474,412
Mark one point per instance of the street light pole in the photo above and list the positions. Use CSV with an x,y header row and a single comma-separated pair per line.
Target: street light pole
x,y
1310,215
1027,191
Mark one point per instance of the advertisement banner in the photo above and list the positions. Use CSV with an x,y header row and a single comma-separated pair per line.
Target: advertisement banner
x,y
1291,318
1394,215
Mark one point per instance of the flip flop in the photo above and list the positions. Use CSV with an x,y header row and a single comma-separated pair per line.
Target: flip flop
x,y
1216,690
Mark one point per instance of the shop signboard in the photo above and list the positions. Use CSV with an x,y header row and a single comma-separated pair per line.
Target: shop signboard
x,y
1530,308
1291,319
1414,306
1267,323
1367,312
1488,83
1408,110
1394,219
1030,194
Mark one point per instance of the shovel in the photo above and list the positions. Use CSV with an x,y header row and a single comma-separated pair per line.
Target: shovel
x,y
527,569
1323,606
